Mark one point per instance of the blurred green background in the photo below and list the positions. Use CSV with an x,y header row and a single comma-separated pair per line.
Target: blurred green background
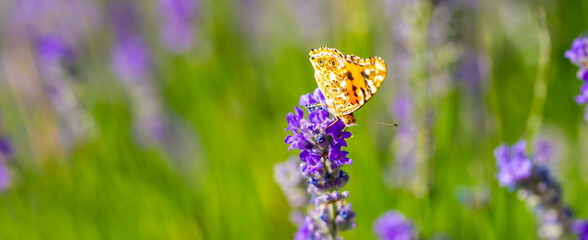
x,y
225,99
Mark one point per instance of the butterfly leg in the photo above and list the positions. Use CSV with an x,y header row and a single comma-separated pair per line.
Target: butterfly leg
x,y
323,131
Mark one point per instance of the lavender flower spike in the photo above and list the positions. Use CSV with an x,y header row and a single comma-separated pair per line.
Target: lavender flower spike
x,y
578,55
320,139
519,171
393,226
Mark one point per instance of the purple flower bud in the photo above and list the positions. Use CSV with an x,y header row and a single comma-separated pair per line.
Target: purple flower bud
x,y
345,218
583,97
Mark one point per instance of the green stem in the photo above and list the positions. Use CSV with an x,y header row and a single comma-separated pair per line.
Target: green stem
x,y
535,117
333,224
418,78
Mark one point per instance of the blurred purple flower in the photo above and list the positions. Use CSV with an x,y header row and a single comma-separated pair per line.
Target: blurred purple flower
x,y
54,59
402,107
5,177
580,227
535,184
131,60
176,29
472,70
52,51
544,153
402,173
393,226
56,31
287,175
583,97
130,56
512,163
72,20
6,150
578,55
310,18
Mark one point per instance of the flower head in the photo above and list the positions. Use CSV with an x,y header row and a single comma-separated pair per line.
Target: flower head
x,y
393,226
319,137
512,163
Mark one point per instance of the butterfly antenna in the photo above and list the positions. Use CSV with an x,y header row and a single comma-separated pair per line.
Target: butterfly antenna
x,y
383,123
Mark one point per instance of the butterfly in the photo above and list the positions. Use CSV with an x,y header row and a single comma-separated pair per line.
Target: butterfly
x,y
347,81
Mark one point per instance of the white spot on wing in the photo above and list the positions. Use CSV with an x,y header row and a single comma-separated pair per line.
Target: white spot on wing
x,y
372,87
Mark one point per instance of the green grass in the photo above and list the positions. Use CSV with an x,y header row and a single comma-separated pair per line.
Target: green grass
x,y
235,93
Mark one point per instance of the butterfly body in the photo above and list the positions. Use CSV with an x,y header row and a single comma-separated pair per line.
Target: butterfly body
x,y
346,81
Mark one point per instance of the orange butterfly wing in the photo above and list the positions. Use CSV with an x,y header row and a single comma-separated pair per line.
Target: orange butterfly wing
x,y
347,81
363,79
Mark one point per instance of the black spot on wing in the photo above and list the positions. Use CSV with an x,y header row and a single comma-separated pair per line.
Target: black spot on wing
x,y
364,75
349,76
